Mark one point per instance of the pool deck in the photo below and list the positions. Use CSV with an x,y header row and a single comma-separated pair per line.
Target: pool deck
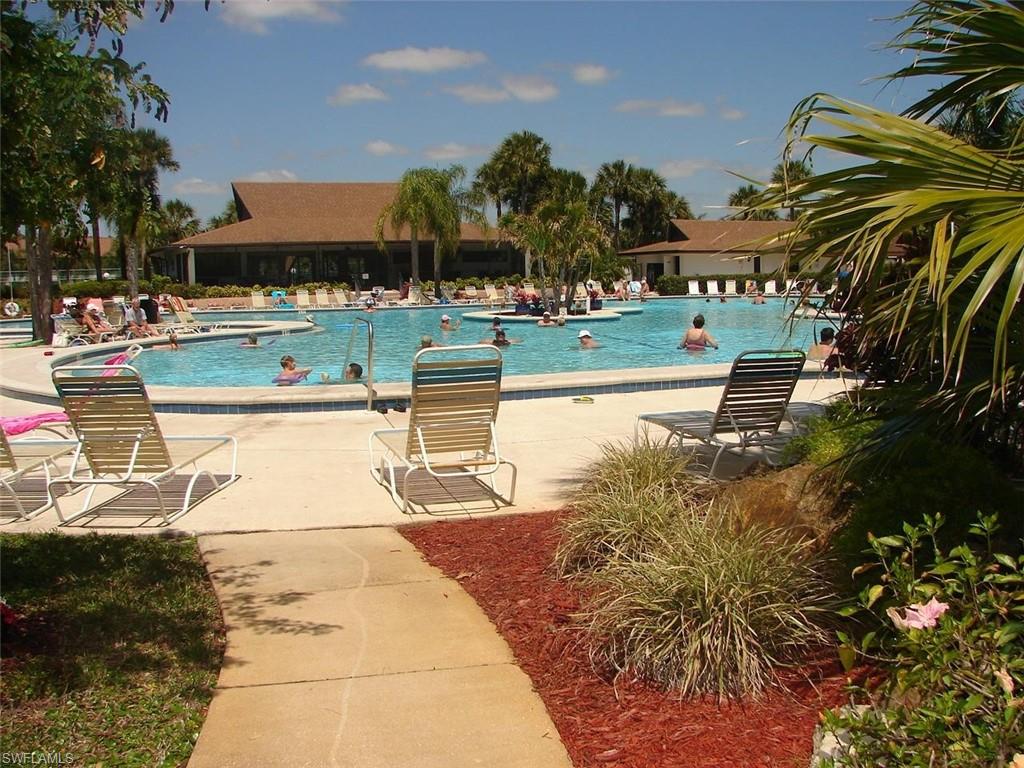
x,y
343,646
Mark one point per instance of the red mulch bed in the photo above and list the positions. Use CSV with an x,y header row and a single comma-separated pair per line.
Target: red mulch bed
x,y
504,563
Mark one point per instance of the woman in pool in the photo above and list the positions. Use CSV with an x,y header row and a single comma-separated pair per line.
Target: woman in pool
x,y
252,340
426,342
290,373
696,338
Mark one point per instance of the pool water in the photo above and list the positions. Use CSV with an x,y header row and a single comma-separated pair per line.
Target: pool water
x,y
645,340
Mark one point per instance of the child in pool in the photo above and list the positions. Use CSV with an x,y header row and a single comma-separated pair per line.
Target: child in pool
x,y
290,374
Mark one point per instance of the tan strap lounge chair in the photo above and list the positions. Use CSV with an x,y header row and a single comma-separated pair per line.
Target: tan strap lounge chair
x,y
323,299
185,321
472,294
494,300
20,460
753,405
730,288
259,301
528,288
302,299
451,432
120,442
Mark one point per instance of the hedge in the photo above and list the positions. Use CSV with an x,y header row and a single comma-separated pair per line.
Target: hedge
x,y
678,285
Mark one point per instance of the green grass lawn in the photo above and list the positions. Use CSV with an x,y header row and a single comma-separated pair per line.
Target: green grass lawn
x,y
116,652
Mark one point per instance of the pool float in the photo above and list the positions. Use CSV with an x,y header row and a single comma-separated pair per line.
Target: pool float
x,y
693,346
121,359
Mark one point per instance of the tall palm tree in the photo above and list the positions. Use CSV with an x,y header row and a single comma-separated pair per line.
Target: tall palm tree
x,y
744,201
651,205
430,202
787,175
949,319
227,216
138,205
523,161
616,182
178,220
489,184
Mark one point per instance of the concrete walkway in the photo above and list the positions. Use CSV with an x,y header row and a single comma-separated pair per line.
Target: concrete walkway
x,y
346,649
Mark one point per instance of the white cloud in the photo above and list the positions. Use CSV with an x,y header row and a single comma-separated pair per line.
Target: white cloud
x,y
662,107
530,88
681,169
254,16
454,151
424,59
382,148
349,94
277,175
591,74
731,113
196,186
478,94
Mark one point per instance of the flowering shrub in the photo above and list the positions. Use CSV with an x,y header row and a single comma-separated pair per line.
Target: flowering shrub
x,y
952,637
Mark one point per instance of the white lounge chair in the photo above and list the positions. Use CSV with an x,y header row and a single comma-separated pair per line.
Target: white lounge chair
x,y
323,299
769,288
343,297
471,293
302,299
23,492
714,288
259,301
753,405
451,432
120,443
730,287
493,299
693,288
789,285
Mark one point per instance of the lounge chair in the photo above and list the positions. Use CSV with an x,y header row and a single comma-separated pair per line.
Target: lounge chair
x,y
752,407
493,299
342,297
323,299
302,299
259,301
730,287
471,293
20,460
528,288
789,286
451,432
184,320
714,288
120,442
417,297
769,288
693,288
76,334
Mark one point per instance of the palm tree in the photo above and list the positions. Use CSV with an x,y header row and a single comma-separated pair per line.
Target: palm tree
x,y
615,182
490,184
744,200
228,216
651,205
787,175
523,162
179,221
138,206
949,319
430,202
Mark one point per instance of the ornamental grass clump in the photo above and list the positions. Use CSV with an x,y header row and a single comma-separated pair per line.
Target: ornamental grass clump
x,y
632,496
716,609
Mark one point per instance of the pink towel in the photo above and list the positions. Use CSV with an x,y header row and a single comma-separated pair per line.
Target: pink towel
x,y
16,425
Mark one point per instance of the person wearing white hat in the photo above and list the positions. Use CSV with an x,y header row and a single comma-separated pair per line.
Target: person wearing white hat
x,y
546,321
446,323
586,340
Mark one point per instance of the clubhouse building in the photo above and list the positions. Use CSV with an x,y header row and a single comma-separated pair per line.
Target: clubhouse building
x,y
298,232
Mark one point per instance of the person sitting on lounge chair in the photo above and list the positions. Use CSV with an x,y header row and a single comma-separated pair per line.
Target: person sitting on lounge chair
x,y
94,324
136,322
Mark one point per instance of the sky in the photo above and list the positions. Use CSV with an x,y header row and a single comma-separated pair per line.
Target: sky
x,y
299,90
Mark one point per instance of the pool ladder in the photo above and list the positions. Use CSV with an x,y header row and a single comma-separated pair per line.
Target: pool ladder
x,y
369,357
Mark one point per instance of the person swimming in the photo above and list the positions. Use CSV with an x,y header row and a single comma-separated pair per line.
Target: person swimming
x,y
426,342
446,323
546,321
252,340
290,373
696,338
353,372
586,340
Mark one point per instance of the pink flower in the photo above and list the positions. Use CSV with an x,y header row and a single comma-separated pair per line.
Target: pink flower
x,y
918,616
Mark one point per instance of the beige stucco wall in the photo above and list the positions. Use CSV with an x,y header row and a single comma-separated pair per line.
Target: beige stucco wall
x,y
697,264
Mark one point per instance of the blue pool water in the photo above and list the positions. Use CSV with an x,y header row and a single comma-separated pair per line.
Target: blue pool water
x,y
644,340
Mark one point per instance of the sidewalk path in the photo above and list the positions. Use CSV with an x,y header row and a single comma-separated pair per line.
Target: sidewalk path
x,y
346,649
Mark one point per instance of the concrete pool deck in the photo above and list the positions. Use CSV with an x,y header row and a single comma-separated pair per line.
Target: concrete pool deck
x,y
344,647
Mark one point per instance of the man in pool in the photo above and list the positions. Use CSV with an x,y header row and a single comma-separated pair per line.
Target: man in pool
x,y
252,340
546,321
825,347
586,340
290,373
353,372
426,342
696,339
446,323
759,298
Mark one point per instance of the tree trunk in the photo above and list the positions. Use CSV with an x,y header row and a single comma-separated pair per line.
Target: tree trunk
x,y
497,207
97,257
437,267
40,278
414,251
131,266
147,269
618,210
543,280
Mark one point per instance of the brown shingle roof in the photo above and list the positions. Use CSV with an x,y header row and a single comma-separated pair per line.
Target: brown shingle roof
x,y
304,212
715,236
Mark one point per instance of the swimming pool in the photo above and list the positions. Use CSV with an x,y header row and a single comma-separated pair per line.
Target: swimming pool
x,y
646,340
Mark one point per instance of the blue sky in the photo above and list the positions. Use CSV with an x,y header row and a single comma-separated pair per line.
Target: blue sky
x,y
361,91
